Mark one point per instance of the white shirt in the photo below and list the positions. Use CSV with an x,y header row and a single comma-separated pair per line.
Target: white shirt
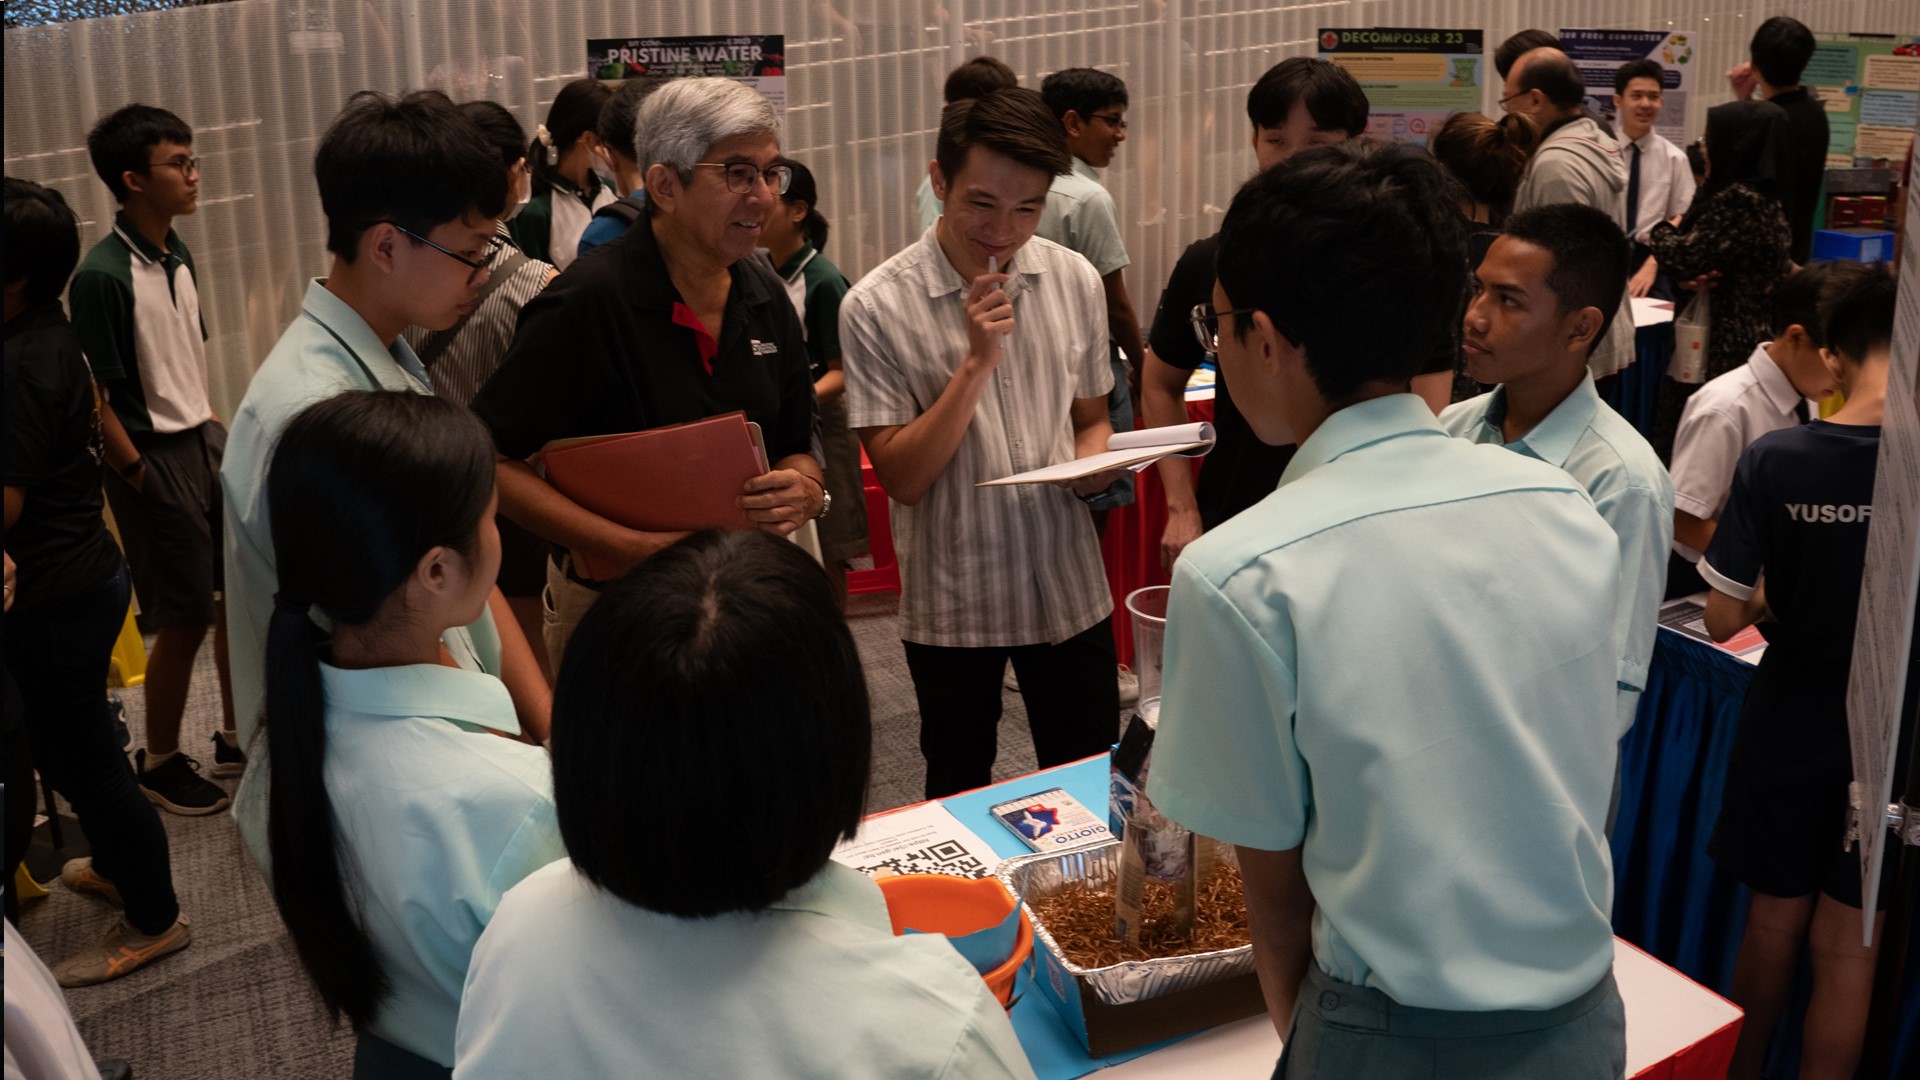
x,y
41,1041
983,567
1720,421
572,981
1666,181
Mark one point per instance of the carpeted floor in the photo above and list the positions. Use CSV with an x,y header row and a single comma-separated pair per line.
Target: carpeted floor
x,y
235,1005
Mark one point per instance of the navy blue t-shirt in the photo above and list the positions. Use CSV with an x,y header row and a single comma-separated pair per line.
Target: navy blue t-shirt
x,y
1798,511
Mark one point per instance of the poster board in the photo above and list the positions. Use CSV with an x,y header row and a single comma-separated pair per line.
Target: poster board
x,y
758,60
1871,89
1414,78
1599,53
1890,586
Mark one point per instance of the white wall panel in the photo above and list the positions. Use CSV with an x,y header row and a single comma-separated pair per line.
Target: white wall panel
x,y
259,80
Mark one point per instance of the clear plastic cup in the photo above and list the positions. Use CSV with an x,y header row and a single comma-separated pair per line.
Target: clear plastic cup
x,y
1148,607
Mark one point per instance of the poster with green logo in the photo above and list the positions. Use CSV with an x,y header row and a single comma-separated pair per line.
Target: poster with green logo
x,y
1414,78
758,60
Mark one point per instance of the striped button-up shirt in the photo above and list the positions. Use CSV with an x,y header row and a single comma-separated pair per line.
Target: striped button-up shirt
x,y
480,343
995,566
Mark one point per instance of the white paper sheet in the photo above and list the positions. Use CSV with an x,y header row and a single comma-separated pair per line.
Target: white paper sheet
x,y
922,839
1127,450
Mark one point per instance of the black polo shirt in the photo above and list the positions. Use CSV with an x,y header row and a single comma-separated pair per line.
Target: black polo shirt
x,y
1799,511
609,347
53,451
1240,470
1806,164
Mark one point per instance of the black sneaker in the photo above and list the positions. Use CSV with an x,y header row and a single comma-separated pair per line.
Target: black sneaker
x,y
177,786
228,761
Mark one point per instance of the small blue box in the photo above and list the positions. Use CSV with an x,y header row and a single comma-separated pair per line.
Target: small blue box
x,y
1856,245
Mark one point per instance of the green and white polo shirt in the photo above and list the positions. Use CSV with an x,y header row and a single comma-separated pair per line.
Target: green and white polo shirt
x,y
137,312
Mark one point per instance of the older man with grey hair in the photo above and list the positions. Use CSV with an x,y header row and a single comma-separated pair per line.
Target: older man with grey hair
x,y
672,322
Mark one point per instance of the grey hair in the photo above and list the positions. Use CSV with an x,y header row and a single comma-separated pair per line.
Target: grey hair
x,y
681,121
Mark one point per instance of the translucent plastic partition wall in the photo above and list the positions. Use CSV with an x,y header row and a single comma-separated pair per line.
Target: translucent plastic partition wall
x,y
259,80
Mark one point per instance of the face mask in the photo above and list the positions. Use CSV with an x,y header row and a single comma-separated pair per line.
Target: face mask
x,y
526,196
603,167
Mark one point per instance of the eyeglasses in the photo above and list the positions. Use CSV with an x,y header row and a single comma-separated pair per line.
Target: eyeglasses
x,y
1206,326
188,166
1504,107
741,175
1112,120
476,266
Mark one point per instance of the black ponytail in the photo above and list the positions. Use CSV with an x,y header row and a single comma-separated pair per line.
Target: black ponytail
x,y
359,488
803,189
574,112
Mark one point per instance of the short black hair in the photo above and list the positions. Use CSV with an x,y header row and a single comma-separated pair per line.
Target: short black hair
x,y
415,162
715,691
502,131
1520,45
1858,314
42,239
977,78
1589,253
1799,300
615,126
1013,122
1780,50
121,141
1556,78
1333,236
1083,91
1333,97
1642,68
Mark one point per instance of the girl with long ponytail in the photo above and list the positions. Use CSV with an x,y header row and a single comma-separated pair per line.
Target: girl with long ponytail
x,y
565,164
396,816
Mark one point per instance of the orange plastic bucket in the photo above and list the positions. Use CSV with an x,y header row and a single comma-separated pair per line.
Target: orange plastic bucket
x,y
957,906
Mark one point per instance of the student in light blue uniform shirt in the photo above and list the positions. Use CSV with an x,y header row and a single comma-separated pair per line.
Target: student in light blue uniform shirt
x,y
712,747
419,263
1546,291
397,815
1390,682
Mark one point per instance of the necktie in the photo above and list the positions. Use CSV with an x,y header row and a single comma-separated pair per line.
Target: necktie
x,y
1633,191
1800,410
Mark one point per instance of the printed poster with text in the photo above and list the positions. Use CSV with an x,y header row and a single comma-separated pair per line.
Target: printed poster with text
x,y
1414,79
1599,53
1871,89
758,60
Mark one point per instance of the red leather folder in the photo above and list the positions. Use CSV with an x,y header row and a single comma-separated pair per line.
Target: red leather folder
x,y
679,478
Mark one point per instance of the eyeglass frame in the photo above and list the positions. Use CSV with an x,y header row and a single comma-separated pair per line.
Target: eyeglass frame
x,y
188,165
1116,121
1206,326
1506,108
494,244
785,173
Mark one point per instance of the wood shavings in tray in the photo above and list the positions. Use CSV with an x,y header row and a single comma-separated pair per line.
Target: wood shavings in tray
x,y
1081,920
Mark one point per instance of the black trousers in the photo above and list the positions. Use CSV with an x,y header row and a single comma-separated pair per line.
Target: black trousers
x,y
1070,689
59,659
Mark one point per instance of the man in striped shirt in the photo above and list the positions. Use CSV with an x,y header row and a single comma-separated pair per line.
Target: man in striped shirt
x,y
978,352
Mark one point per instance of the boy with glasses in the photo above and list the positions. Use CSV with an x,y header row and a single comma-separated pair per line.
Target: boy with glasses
x,y
136,308
405,253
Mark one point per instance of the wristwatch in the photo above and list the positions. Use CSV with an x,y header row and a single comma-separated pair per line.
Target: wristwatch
x,y
826,502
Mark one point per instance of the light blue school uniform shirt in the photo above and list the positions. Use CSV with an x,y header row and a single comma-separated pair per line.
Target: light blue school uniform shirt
x,y
437,818
1400,662
327,350
570,980
1630,488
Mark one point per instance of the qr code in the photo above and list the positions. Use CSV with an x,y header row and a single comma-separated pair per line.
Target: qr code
x,y
945,857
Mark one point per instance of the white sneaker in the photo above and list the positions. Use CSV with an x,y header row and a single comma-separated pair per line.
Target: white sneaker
x,y
1129,687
